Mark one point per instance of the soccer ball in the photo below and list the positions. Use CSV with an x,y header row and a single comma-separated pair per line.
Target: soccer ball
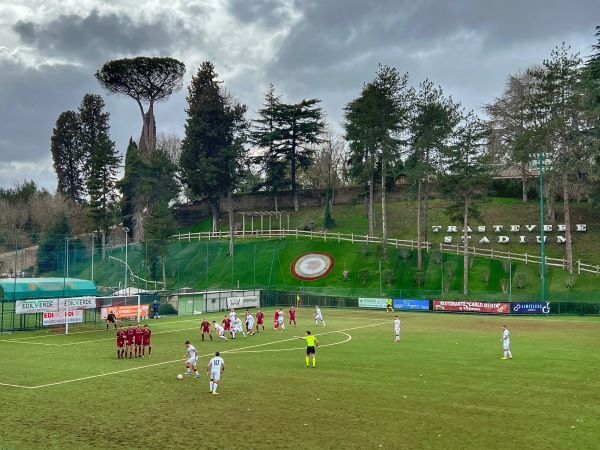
x,y
180,377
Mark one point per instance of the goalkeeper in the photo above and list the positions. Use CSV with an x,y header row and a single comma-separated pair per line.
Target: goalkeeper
x,y
311,347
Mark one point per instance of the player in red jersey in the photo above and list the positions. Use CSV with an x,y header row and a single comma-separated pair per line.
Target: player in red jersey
x,y
121,336
139,339
227,325
130,333
146,341
260,320
205,328
292,313
276,320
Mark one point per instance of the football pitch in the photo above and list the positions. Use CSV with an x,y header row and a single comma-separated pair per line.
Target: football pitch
x,y
442,386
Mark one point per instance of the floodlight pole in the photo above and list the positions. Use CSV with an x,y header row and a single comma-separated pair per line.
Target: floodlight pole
x,y
93,236
542,228
65,285
126,231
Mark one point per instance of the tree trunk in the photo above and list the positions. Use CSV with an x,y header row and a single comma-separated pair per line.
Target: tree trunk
x,y
383,214
524,182
466,249
216,213
371,207
425,212
148,137
567,211
419,247
231,223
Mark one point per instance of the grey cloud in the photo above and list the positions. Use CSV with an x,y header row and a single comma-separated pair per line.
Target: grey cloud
x,y
270,12
94,37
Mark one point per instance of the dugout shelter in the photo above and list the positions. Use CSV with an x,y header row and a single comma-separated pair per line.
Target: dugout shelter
x,y
15,289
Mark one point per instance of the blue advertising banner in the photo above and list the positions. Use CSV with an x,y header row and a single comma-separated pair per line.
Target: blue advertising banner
x,y
529,308
408,303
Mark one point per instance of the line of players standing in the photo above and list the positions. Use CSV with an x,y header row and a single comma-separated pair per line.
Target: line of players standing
x,y
133,341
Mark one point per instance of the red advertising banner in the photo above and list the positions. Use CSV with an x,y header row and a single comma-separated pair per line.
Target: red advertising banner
x,y
122,312
466,306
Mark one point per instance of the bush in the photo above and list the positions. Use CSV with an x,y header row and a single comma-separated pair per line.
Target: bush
x,y
506,265
363,276
165,309
404,253
364,249
504,285
485,275
437,255
419,278
521,280
388,275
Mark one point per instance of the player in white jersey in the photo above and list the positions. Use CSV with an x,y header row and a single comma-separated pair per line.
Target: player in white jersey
x,y
232,314
236,327
214,368
318,315
397,328
506,342
280,319
219,330
191,361
250,323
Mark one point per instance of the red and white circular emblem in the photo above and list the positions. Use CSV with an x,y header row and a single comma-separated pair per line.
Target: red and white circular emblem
x,y
311,266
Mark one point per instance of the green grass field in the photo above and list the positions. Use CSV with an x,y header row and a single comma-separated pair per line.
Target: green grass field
x,y
443,386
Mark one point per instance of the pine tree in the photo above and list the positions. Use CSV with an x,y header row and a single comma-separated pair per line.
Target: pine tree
x,y
68,156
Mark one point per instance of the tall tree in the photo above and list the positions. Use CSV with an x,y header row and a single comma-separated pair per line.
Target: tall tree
x,y
146,80
68,156
568,128
376,125
300,127
93,125
266,135
432,123
511,124
104,163
210,153
465,179
131,186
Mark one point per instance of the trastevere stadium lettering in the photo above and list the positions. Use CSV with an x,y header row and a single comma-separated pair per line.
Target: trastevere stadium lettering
x,y
503,238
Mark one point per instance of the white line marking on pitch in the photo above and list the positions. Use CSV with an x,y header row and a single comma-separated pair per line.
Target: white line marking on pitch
x,y
57,383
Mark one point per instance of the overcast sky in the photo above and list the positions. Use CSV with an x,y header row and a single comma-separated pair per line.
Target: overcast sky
x,y
50,50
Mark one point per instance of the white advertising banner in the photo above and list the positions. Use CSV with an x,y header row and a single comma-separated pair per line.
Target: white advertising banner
x,y
54,304
250,301
60,317
372,302
77,303
36,306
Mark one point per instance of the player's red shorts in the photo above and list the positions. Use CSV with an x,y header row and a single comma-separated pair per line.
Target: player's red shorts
x,y
147,343
138,342
129,342
206,330
120,344
259,322
227,327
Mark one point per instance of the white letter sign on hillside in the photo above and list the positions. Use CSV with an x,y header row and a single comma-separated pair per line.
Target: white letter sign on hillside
x,y
504,238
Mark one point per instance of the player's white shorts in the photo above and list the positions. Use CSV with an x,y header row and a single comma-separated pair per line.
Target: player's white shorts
x,y
215,375
397,330
280,320
192,361
506,344
237,329
250,324
318,316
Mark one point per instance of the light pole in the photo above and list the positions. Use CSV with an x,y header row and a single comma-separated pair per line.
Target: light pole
x,y
65,285
126,231
542,228
93,236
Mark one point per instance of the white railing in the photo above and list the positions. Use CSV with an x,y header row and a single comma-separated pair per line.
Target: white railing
x,y
527,258
133,277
